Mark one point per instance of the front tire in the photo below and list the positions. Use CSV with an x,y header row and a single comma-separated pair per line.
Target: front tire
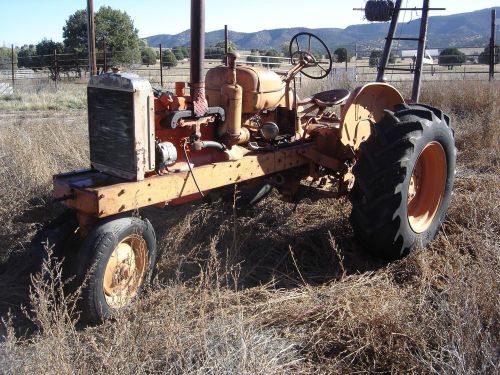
x,y
403,181
116,261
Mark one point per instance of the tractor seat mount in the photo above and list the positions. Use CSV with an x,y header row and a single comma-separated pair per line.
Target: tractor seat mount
x,y
327,98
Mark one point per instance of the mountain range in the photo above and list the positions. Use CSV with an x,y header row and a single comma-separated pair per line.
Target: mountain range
x,y
470,29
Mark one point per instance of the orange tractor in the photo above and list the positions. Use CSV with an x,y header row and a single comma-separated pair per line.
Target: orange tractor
x,y
245,125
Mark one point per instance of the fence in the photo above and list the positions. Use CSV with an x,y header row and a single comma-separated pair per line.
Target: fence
x,y
57,68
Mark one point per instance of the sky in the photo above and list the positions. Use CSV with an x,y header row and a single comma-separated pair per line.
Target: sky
x,y
29,21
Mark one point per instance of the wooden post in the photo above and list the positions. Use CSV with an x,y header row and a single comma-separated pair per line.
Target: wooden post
x,y
91,37
492,45
12,66
161,68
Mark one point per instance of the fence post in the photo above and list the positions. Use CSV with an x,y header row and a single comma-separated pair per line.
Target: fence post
x,y
105,67
161,68
492,45
12,66
56,73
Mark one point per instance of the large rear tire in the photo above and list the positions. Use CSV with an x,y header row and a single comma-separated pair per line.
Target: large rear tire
x,y
403,181
116,261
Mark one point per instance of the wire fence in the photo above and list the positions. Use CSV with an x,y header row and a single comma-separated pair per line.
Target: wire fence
x,y
59,68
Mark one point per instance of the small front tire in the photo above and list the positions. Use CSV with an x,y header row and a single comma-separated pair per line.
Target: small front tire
x,y
115,262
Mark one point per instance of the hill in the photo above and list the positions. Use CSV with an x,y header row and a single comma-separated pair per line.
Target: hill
x,y
470,29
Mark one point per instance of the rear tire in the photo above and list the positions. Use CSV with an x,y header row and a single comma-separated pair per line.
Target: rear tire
x,y
403,181
116,261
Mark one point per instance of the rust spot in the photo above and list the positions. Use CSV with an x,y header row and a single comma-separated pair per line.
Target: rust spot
x,y
101,196
121,208
122,191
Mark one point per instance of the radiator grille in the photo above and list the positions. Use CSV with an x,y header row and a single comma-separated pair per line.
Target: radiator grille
x,y
111,128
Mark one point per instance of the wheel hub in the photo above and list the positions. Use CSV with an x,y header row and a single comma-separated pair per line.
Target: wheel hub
x,y
426,187
125,271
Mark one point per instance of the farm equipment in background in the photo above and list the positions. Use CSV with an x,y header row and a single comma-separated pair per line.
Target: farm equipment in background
x,y
242,125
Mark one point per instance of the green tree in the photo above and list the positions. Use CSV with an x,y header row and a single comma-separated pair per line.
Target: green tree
x,y
6,58
342,54
285,49
169,59
451,56
45,51
254,58
272,62
484,57
217,51
113,28
376,55
148,56
179,54
27,57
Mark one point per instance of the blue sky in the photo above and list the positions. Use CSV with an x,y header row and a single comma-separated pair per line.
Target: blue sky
x,y
29,21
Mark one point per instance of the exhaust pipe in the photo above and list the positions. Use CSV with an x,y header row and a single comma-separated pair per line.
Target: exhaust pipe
x,y
197,78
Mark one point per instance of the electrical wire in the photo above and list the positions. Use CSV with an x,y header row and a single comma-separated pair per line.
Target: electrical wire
x,y
191,169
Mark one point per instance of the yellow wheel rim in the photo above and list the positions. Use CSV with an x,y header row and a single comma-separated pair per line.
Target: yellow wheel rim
x,y
426,189
125,271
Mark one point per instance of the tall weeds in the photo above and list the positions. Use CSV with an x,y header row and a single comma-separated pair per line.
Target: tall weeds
x,y
279,288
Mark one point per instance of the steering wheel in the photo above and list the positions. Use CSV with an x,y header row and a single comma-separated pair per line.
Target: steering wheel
x,y
303,48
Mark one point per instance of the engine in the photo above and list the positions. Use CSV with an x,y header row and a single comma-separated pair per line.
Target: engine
x,y
136,131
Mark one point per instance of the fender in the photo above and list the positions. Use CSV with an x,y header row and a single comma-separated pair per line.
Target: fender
x,y
365,107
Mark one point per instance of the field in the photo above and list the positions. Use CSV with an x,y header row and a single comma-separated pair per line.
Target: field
x,y
279,288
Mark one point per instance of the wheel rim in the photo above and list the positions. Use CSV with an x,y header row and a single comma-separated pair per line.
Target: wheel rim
x,y
125,271
426,188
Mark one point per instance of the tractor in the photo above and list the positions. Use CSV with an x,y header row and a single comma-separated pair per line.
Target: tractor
x,y
245,125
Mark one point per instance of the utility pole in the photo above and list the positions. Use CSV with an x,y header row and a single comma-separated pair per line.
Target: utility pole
x,y
225,44
91,37
492,44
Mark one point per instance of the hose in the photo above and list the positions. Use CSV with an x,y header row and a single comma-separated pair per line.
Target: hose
x,y
213,144
379,10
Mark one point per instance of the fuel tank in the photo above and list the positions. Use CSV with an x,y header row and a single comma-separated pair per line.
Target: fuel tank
x,y
262,88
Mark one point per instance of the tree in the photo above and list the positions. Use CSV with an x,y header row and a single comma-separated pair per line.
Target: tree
x,y
484,57
45,54
342,54
113,28
272,61
451,57
169,59
217,51
285,49
148,56
6,58
376,55
179,54
254,58
27,57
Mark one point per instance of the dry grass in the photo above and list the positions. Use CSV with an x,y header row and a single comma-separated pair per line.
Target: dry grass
x,y
279,288
45,96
